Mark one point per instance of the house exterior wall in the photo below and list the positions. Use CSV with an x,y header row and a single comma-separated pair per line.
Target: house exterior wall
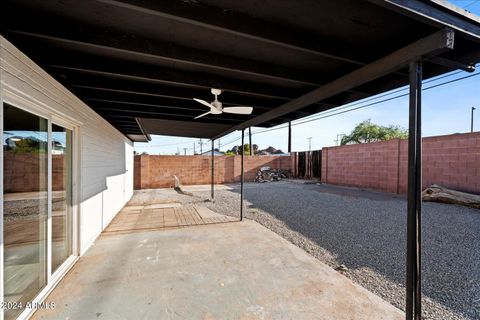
x,y
104,156
451,160
158,171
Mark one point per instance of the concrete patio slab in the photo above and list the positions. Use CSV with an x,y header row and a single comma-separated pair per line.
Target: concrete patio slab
x,y
223,271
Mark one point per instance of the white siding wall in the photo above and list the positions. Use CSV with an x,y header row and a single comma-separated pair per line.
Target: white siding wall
x,y
105,155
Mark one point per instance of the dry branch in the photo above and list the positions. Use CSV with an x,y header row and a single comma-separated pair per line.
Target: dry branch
x,y
438,193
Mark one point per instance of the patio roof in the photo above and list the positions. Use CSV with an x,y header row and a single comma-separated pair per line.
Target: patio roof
x,y
142,61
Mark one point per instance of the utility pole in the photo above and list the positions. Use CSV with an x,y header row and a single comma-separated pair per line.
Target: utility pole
x,y
194,148
184,151
218,144
309,144
201,146
339,139
471,121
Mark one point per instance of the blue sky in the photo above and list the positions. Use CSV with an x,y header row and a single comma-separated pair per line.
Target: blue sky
x,y
446,110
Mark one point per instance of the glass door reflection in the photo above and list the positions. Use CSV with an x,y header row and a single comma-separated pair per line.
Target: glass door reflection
x,y
25,207
61,195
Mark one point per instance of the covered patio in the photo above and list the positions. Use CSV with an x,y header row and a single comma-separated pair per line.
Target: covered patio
x,y
138,64
234,270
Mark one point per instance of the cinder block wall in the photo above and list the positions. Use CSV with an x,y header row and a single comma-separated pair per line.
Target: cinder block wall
x,y
158,171
452,161
372,165
22,173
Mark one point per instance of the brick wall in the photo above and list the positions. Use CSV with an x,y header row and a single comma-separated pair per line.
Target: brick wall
x,y
452,161
372,165
21,171
158,171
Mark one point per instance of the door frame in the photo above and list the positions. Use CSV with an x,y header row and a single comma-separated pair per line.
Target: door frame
x,y
19,100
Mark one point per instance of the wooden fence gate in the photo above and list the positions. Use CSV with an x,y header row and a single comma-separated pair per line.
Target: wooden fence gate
x,y
308,164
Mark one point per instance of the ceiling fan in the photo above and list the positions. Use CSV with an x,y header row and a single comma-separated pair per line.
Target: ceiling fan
x,y
217,108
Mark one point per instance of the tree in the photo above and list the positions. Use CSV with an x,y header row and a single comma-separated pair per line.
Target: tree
x,y
236,150
246,148
27,145
366,132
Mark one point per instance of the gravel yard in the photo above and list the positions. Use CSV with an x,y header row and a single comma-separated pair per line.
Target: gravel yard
x,y
365,231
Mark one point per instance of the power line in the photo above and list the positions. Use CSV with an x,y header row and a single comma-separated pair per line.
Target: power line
x,y
384,94
341,110
471,4
323,115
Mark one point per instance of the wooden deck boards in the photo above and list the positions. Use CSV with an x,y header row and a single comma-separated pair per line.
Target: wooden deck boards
x,y
148,217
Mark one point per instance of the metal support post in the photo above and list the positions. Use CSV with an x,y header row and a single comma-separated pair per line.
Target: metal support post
x,y
413,276
250,140
289,137
213,172
242,176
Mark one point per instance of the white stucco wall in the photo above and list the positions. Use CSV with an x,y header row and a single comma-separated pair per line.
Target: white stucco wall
x,y
105,176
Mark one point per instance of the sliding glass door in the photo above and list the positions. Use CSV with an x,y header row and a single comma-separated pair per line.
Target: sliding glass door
x,y
37,215
61,195
25,210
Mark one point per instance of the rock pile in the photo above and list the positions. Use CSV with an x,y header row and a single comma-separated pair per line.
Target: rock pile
x,y
267,174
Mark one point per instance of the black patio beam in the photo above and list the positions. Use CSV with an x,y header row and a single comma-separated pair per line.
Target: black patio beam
x,y
147,136
192,80
181,107
162,85
133,72
238,25
94,87
127,121
119,46
162,114
454,65
436,15
119,113
148,90
112,115
136,105
180,103
127,126
438,42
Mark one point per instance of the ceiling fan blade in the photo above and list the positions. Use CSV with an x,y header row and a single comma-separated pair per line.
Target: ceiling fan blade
x,y
238,110
205,103
203,114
